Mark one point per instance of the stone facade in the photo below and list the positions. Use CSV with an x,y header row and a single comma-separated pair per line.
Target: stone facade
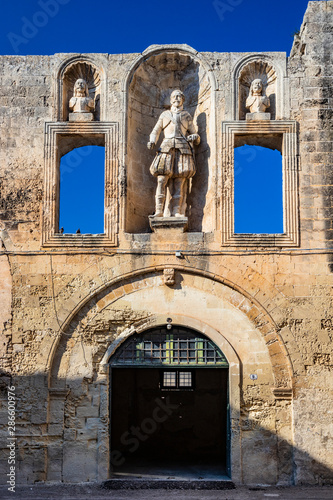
x,y
68,301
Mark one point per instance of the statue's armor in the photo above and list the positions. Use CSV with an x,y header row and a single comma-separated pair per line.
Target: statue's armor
x,y
175,155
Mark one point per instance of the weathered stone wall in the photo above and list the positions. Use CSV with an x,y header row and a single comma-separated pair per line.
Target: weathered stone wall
x,y
310,72
269,308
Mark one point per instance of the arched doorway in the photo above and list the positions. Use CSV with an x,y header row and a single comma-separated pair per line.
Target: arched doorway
x,y
169,405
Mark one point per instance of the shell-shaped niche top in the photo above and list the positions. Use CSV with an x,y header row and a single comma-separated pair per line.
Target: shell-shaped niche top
x,y
263,71
161,73
91,75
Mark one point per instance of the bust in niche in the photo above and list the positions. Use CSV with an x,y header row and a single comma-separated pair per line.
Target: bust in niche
x,y
174,162
81,105
257,102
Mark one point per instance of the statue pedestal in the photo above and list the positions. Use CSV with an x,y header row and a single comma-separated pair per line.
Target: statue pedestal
x,y
257,116
165,223
81,117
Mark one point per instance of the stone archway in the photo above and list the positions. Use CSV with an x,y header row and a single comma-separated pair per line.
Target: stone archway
x,y
80,364
169,406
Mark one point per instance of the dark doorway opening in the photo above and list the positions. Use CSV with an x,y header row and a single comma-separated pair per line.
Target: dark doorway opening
x,y
162,429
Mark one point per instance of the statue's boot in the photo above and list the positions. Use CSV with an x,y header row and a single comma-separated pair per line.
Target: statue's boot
x,y
177,203
178,197
159,205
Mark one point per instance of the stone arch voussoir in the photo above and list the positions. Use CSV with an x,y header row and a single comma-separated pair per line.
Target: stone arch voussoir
x,y
259,307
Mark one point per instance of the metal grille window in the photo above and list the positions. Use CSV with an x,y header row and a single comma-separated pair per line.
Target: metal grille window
x,y
185,379
159,347
170,379
177,380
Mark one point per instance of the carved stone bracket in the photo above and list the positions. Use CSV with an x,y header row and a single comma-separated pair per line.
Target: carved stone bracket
x,y
257,116
283,393
169,276
58,393
81,117
157,223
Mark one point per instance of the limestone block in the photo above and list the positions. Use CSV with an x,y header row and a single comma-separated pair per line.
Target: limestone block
x,y
88,411
69,434
79,462
56,411
92,428
258,116
55,429
17,337
254,442
81,117
54,452
54,470
159,224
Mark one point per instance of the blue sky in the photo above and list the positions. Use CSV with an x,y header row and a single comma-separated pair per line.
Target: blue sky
x,y
82,203
258,170
52,26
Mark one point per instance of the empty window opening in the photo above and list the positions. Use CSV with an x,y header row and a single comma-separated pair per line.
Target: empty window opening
x,y
82,191
258,198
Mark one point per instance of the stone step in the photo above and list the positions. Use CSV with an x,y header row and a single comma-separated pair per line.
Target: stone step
x,y
167,484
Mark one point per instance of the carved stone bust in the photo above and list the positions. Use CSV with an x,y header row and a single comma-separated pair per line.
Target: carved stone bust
x,y
81,105
257,103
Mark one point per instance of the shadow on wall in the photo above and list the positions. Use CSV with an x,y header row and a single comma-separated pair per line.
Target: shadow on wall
x,y
198,193
60,435
148,96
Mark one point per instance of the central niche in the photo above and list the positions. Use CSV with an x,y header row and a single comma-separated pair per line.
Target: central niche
x,y
148,96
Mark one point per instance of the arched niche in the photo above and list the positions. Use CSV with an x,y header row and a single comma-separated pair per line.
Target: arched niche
x,y
266,73
272,71
149,85
93,74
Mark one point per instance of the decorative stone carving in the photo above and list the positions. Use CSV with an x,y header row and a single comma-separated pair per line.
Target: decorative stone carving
x,y
148,85
257,102
174,163
160,224
249,98
169,276
80,70
81,104
283,393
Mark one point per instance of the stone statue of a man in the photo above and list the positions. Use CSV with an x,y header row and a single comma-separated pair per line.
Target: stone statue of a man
x,y
256,102
81,102
174,161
